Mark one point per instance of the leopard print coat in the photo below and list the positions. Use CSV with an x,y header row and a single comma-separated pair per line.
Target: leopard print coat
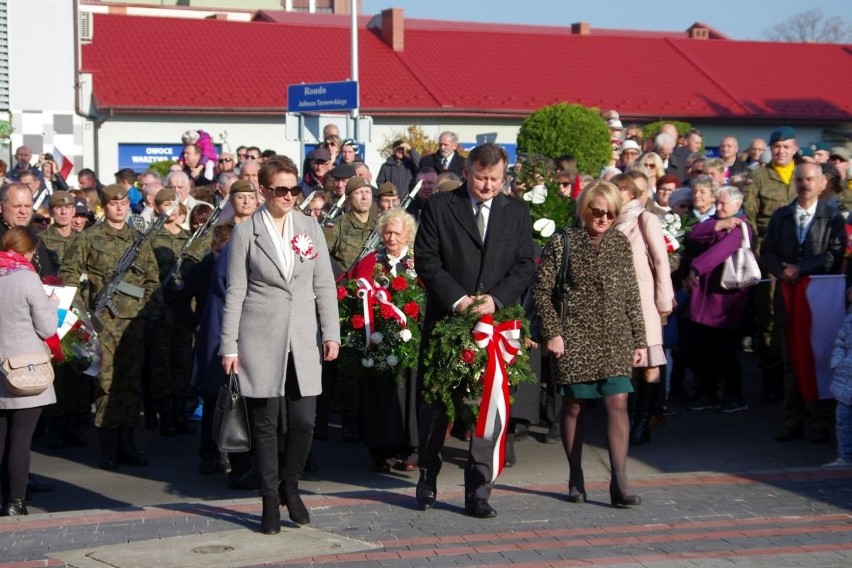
x,y
603,321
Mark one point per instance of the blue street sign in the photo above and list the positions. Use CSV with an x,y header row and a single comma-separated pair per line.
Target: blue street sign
x,y
322,97
139,157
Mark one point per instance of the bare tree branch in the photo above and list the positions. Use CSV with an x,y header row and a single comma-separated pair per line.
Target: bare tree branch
x,y
811,27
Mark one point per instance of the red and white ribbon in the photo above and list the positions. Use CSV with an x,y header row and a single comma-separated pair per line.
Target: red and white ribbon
x,y
370,293
503,343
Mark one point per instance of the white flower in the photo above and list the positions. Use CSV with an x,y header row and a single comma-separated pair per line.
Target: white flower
x,y
536,195
367,362
405,335
392,360
545,227
376,337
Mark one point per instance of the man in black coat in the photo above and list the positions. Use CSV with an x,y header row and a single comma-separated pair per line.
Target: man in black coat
x,y
804,238
16,210
447,158
474,244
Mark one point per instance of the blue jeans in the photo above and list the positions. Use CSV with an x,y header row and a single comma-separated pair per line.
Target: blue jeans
x,y
844,431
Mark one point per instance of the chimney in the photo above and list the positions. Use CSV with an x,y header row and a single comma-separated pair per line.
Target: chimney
x,y
393,28
699,32
581,28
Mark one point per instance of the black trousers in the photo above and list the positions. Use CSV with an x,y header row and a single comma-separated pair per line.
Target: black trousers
x,y
477,471
16,434
282,424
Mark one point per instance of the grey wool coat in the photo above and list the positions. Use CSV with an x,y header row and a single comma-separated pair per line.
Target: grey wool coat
x,y
29,318
265,314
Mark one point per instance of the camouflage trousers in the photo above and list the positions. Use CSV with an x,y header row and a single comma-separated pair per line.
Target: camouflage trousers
x,y
169,358
118,387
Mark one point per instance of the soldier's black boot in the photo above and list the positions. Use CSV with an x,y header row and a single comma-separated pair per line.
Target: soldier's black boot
x,y
182,423
127,451
165,408
109,448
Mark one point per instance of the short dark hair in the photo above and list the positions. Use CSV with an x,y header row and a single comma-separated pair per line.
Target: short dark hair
x,y
266,154
250,148
276,165
487,155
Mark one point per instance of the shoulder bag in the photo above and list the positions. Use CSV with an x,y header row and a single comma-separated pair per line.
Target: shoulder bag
x,y
27,374
562,278
741,269
230,418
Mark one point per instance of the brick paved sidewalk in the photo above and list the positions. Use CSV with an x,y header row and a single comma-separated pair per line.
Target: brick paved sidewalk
x,y
785,518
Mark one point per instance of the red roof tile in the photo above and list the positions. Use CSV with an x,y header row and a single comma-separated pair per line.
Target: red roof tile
x,y
150,64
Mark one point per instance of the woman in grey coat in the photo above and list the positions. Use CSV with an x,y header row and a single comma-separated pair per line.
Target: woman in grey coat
x,y
279,325
29,318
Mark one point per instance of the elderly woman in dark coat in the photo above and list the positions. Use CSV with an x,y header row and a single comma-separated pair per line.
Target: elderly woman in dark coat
x,y
599,336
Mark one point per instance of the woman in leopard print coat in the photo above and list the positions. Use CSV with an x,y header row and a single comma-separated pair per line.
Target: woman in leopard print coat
x,y
601,335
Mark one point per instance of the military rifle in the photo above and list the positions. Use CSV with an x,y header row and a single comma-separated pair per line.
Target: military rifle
x,y
105,299
173,279
372,242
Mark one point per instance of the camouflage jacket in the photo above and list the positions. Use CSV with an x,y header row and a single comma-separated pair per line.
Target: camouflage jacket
x,y
57,244
347,237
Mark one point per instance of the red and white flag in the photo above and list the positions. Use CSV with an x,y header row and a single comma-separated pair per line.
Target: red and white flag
x,y
63,164
816,307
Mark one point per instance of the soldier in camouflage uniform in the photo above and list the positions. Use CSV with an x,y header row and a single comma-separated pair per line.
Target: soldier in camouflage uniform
x,y
346,238
768,189
96,253
170,341
71,385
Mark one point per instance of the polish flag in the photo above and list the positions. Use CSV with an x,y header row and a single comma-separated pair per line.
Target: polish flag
x,y
815,311
64,164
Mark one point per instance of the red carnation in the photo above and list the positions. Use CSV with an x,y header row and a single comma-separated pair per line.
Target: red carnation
x,y
399,283
386,311
411,309
357,321
512,361
468,356
341,293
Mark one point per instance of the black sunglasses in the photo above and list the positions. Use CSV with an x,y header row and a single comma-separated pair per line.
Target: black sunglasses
x,y
281,190
598,213
225,160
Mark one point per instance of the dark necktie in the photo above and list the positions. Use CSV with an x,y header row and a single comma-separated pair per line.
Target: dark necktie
x,y
445,163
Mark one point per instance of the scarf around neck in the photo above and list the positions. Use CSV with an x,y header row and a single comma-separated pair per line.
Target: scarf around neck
x,y
280,241
11,261
629,213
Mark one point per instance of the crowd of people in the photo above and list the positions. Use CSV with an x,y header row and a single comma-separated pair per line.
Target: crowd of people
x,y
625,300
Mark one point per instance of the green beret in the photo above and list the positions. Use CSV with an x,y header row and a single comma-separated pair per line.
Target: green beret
x,y
61,198
114,191
242,186
356,182
164,195
781,134
388,189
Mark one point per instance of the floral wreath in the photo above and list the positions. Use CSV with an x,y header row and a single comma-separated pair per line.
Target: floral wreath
x,y
454,365
380,320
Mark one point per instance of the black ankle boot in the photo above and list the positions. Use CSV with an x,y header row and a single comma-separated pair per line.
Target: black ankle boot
x,y
270,520
295,507
109,448
127,451
15,508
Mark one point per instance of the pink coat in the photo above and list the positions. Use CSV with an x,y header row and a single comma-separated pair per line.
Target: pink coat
x,y
651,262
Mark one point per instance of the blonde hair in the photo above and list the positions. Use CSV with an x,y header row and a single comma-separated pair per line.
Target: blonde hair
x,y
409,225
599,188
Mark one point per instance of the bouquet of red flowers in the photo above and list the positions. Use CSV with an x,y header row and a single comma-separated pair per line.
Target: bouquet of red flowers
x,y
380,321
455,365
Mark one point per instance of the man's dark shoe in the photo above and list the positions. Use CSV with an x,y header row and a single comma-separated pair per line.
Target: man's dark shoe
x,y
480,509
426,492
789,432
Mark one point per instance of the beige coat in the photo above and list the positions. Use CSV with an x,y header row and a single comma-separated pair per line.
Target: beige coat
x,y
265,314
651,263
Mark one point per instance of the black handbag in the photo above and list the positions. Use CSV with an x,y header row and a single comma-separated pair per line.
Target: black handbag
x,y
230,419
562,278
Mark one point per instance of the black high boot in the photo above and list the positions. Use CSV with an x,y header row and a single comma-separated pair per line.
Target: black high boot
x,y
109,448
270,519
640,433
298,448
127,451
165,408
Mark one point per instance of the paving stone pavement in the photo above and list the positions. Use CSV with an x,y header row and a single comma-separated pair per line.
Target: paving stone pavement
x,y
717,491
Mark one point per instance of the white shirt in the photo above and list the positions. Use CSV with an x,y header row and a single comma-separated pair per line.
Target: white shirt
x,y
804,219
